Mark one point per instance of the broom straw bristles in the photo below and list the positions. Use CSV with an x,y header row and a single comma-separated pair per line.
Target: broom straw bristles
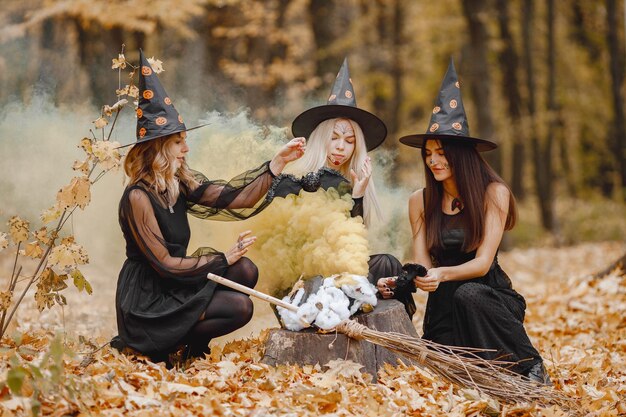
x,y
462,366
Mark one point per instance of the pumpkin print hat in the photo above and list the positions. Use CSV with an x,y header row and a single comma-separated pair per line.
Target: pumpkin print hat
x,y
342,103
156,114
448,121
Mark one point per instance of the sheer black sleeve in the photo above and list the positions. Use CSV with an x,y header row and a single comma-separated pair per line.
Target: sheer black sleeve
x,y
237,199
357,208
169,260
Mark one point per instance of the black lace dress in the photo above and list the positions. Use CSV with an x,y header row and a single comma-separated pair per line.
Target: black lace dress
x,y
484,312
380,265
161,291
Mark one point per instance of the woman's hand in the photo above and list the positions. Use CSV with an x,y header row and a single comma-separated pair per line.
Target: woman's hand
x,y
385,286
431,281
240,248
291,151
359,182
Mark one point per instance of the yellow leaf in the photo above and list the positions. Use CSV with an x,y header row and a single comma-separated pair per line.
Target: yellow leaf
x,y
122,91
85,143
42,235
68,240
100,122
107,154
156,64
43,299
82,166
4,241
82,193
133,91
120,62
77,192
18,229
51,214
5,300
80,282
62,256
33,250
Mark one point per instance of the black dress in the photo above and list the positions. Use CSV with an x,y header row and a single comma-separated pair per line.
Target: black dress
x,y
380,265
162,292
484,312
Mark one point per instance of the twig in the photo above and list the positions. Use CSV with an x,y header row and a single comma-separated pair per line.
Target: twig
x,y
35,274
117,113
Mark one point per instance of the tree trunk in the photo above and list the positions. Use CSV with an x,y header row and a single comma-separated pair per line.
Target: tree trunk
x,y
325,28
397,69
616,67
475,12
547,211
509,63
541,166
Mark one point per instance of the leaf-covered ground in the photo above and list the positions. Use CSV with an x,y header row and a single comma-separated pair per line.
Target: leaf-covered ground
x,y
577,322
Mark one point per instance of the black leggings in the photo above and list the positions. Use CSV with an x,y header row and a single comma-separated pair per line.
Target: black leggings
x,y
228,310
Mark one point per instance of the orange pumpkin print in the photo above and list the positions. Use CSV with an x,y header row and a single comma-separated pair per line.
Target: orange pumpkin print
x,y
348,93
436,109
167,101
434,127
139,113
142,132
456,126
161,121
146,70
148,94
180,119
453,104
457,84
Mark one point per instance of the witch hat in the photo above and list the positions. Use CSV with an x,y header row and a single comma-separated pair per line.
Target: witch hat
x,y
342,103
448,120
156,114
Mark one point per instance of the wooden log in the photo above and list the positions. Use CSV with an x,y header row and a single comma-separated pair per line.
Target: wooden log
x,y
308,347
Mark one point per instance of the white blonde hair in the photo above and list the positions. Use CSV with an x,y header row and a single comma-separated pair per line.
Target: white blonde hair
x,y
315,157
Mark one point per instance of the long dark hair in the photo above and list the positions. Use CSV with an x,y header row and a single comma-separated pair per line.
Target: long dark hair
x,y
472,175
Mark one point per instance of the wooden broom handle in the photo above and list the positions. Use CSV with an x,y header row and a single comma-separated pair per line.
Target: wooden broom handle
x,y
242,288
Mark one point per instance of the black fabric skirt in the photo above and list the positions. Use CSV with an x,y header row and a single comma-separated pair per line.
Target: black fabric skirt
x,y
153,316
473,314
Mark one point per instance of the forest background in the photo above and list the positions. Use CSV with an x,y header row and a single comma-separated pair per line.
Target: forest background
x,y
544,79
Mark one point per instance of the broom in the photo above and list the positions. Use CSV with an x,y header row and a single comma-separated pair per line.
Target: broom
x,y
459,365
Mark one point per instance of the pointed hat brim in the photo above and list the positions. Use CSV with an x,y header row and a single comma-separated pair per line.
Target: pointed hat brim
x,y
373,128
160,136
417,141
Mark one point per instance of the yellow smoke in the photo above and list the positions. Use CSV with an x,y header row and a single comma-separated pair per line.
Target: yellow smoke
x,y
309,234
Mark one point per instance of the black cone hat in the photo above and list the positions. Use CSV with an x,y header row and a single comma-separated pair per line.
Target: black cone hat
x,y
448,121
156,114
342,103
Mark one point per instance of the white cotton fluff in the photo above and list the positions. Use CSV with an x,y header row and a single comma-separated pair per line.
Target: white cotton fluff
x,y
291,319
326,308
358,288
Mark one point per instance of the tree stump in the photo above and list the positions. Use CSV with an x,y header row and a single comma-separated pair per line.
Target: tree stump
x,y
307,347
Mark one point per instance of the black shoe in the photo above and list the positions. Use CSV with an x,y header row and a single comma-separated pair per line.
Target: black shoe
x,y
539,374
117,343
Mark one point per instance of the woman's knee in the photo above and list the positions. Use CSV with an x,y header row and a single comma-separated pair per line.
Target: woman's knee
x,y
471,296
244,309
244,271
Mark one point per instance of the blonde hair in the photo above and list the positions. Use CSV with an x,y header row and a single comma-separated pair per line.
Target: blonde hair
x,y
153,163
315,157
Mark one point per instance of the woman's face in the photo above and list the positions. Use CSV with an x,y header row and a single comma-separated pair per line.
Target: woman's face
x,y
178,149
436,160
342,144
